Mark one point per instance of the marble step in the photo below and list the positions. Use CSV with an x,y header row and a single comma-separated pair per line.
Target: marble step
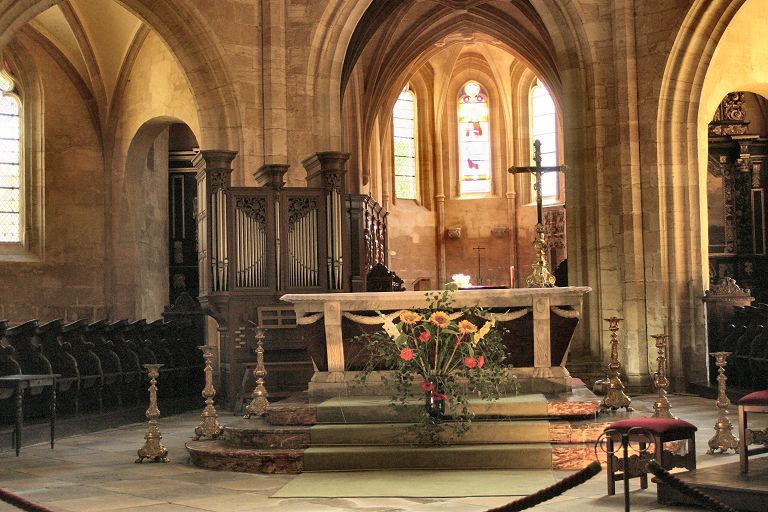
x,y
219,456
301,410
480,432
490,456
374,409
257,433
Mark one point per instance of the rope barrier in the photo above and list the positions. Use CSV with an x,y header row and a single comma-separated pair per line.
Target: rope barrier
x,y
702,499
22,503
552,491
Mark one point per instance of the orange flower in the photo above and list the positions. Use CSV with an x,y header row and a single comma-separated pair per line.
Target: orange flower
x,y
425,336
466,327
406,354
410,317
470,362
480,361
440,319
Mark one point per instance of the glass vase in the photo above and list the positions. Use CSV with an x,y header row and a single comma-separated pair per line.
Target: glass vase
x,y
435,401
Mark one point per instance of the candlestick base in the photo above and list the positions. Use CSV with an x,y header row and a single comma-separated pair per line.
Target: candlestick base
x,y
541,276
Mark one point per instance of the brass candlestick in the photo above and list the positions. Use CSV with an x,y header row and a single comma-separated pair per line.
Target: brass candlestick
x,y
210,426
258,406
615,398
661,407
724,438
541,276
153,448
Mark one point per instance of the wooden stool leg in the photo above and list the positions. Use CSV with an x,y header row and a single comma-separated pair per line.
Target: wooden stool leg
x,y
610,467
692,451
644,474
52,414
743,463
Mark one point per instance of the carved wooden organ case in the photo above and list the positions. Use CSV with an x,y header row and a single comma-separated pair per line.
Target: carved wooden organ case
x,y
737,174
258,243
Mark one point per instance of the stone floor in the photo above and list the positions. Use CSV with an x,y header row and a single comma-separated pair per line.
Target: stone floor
x,y
96,472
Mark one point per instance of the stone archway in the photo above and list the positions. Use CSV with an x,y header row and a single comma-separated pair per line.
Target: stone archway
x,y
676,270
191,42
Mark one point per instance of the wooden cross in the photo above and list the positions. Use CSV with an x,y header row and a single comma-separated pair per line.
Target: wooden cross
x,y
478,249
538,170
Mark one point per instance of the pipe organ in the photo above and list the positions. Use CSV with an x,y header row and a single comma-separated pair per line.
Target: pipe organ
x,y
302,243
250,242
257,243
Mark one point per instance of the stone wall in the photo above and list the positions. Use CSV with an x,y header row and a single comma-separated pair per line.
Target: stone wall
x,y
66,278
635,83
155,94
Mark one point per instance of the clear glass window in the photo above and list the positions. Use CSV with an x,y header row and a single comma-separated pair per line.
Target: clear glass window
x,y
543,128
404,140
10,161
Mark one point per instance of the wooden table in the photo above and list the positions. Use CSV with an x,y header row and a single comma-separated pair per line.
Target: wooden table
x,y
21,382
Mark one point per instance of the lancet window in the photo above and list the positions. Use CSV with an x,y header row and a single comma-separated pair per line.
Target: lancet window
x,y
474,140
10,160
404,141
543,128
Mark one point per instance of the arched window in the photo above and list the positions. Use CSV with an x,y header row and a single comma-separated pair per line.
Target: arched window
x,y
474,140
543,128
404,141
10,161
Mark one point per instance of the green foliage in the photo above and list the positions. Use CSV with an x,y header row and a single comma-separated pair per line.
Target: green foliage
x,y
444,351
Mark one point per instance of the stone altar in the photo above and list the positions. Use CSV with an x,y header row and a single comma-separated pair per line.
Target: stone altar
x,y
541,323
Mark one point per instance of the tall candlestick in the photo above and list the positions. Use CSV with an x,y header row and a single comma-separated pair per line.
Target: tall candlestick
x,y
661,407
210,426
615,398
724,438
153,448
259,403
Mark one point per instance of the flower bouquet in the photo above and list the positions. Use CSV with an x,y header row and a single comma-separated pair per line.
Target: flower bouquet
x,y
447,354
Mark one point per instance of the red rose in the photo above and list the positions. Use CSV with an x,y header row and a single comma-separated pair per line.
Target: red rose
x,y
470,362
425,336
439,396
406,354
480,361
427,386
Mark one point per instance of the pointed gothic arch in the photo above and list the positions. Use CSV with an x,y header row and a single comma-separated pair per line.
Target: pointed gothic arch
x,y
192,43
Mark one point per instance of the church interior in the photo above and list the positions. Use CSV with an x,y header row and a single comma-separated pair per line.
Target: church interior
x,y
206,206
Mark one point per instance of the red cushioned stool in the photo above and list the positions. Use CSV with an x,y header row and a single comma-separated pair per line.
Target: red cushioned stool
x,y
645,431
753,402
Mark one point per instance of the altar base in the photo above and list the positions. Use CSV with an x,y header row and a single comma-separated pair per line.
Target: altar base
x,y
303,433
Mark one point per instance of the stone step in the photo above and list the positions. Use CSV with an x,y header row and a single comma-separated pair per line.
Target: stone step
x,y
257,433
489,456
392,434
219,456
301,410
372,409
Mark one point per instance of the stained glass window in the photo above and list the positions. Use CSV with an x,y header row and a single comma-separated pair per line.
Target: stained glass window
x,y
404,135
474,140
10,149
543,128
